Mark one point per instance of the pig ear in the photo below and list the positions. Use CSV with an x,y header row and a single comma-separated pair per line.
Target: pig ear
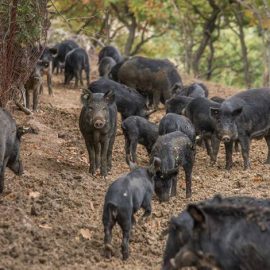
x,y
86,96
176,88
184,112
109,96
215,112
197,214
157,164
237,112
53,51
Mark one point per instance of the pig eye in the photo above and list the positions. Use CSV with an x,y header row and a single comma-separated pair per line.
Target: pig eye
x,y
104,109
90,108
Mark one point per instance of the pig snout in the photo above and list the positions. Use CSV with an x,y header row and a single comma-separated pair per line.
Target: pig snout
x,y
99,123
226,138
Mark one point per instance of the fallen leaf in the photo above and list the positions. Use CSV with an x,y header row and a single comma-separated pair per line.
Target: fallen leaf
x,y
85,233
258,178
44,226
92,206
34,194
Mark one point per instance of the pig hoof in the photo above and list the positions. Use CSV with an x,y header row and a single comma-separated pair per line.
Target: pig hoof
x,y
108,251
125,256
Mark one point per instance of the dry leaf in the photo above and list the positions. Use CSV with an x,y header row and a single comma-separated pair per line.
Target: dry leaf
x,y
258,178
92,206
34,194
45,226
85,233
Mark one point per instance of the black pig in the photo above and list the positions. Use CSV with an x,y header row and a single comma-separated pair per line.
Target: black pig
x,y
177,104
34,85
152,77
198,113
227,236
105,66
123,199
193,90
243,117
174,149
180,229
47,60
136,130
10,139
129,101
98,120
111,52
173,122
62,50
75,62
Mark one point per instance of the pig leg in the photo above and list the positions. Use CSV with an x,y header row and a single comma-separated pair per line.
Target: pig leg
x,y
127,149
35,98
27,98
188,174
146,205
77,77
125,225
133,149
267,138
156,99
80,76
109,153
2,174
215,142
91,154
236,146
41,89
174,186
67,78
108,237
49,83
16,166
228,151
209,150
166,94
87,71
245,144
104,153
97,155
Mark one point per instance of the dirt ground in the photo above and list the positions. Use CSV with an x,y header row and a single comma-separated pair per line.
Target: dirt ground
x,y
51,215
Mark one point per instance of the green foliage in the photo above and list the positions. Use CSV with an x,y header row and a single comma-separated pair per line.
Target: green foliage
x,y
176,30
29,20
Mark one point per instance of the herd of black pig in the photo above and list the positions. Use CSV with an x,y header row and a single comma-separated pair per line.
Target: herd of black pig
x,y
219,233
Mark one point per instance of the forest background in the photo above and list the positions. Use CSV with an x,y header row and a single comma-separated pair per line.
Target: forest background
x,y
227,41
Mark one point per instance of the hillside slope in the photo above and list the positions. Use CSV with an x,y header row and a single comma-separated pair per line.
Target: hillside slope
x,y
51,216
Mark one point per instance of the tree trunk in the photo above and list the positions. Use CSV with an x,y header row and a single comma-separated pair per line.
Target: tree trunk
x,y
239,18
131,36
210,60
266,73
104,27
209,28
188,41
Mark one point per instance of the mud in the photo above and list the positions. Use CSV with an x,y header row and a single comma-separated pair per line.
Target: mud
x,y
51,216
